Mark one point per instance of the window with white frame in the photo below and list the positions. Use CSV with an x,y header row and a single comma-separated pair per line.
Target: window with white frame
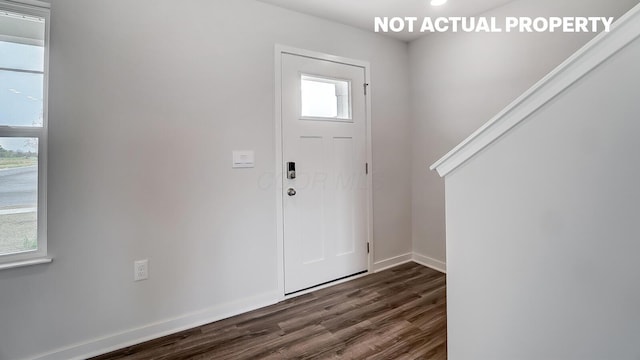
x,y
23,133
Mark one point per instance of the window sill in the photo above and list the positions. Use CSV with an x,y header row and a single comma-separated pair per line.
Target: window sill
x,y
21,263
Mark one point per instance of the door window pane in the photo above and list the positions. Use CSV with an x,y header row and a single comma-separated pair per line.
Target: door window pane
x,y
325,98
21,96
18,195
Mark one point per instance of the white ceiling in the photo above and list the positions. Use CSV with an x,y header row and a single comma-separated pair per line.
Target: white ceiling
x,y
361,13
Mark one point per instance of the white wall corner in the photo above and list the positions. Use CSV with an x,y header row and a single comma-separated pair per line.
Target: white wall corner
x,y
430,262
585,60
159,329
391,262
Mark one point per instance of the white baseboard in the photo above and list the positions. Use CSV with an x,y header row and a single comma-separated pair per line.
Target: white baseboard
x,y
430,263
171,326
167,327
391,262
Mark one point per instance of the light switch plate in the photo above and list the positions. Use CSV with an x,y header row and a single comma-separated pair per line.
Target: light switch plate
x,y
243,159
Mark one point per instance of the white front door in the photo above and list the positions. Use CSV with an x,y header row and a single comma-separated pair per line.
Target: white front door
x,y
325,181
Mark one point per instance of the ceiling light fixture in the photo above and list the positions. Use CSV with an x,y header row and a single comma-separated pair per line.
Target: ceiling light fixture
x,y
438,2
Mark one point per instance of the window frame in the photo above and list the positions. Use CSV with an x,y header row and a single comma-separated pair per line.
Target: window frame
x,y
328,80
39,256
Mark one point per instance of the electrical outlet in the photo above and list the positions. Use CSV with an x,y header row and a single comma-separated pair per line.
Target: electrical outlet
x,y
140,270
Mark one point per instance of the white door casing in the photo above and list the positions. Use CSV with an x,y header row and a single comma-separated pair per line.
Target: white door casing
x,y
325,225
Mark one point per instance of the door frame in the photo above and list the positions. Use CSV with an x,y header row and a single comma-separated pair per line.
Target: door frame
x,y
279,169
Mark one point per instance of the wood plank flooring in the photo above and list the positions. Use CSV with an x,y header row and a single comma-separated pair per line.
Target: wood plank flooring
x,y
395,314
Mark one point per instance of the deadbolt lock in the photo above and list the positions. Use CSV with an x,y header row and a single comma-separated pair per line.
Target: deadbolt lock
x,y
291,170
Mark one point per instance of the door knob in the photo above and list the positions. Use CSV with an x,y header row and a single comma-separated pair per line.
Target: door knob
x,y
291,192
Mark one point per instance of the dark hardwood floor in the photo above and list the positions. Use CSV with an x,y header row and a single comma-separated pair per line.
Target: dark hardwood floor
x,y
395,314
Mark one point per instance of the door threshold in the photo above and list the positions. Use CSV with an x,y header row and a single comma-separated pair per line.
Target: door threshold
x,y
326,284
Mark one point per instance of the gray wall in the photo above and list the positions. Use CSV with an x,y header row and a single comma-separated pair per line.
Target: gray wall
x,y
459,81
543,229
148,99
